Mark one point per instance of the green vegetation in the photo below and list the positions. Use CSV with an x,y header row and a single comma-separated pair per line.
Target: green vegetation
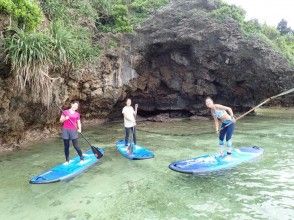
x,y
280,38
27,14
72,45
122,15
70,29
225,11
67,40
114,18
31,56
108,15
140,9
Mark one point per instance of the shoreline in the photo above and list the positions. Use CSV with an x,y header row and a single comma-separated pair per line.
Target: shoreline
x,y
35,136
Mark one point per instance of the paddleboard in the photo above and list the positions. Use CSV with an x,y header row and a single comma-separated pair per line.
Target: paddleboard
x,y
138,153
63,172
209,163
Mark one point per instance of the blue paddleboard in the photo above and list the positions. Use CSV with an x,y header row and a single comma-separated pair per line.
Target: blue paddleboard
x,y
209,163
138,153
64,172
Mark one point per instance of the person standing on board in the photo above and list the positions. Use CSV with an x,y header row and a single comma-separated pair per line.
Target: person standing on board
x,y
71,126
226,116
130,122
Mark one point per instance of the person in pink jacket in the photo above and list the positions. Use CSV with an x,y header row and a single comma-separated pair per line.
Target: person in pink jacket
x,y
71,126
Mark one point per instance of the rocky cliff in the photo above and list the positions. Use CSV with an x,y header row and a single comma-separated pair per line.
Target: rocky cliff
x,y
185,55
170,64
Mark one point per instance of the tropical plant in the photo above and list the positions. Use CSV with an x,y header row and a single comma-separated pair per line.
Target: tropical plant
x,y
31,56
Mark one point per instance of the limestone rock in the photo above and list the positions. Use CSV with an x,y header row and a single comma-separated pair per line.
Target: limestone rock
x,y
169,65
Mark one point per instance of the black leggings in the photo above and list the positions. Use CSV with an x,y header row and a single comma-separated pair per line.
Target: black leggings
x,y
133,129
76,146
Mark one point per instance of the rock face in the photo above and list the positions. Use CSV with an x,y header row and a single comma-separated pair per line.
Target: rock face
x,y
98,87
186,55
169,65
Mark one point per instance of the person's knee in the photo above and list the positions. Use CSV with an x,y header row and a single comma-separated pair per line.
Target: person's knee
x,y
75,143
66,143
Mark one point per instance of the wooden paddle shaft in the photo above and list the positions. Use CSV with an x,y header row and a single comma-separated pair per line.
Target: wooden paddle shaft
x,y
265,101
262,103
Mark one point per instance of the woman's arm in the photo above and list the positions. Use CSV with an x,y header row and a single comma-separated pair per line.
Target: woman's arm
x,y
216,124
79,126
63,118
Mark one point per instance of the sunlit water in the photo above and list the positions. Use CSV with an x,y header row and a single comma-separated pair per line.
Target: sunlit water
x,y
122,189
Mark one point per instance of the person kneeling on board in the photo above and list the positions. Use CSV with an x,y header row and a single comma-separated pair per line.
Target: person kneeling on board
x,y
130,123
220,112
71,126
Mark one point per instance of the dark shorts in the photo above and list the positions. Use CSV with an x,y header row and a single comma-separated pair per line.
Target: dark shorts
x,y
69,134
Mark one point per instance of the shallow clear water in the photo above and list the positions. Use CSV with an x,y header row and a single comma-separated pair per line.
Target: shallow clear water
x,y
123,189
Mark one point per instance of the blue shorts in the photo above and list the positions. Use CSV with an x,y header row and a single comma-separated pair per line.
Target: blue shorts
x,y
69,134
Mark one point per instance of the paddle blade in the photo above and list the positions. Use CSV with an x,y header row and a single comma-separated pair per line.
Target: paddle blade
x,y
96,152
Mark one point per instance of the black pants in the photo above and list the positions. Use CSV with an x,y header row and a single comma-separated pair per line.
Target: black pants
x,y
76,146
133,131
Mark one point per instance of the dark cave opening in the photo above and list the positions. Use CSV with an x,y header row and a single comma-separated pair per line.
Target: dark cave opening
x,y
167,83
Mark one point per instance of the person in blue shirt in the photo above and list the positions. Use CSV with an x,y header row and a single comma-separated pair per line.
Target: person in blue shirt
x,y
225,115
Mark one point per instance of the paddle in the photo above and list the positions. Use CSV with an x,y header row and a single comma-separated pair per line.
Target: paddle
x,y
94,149
262,103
